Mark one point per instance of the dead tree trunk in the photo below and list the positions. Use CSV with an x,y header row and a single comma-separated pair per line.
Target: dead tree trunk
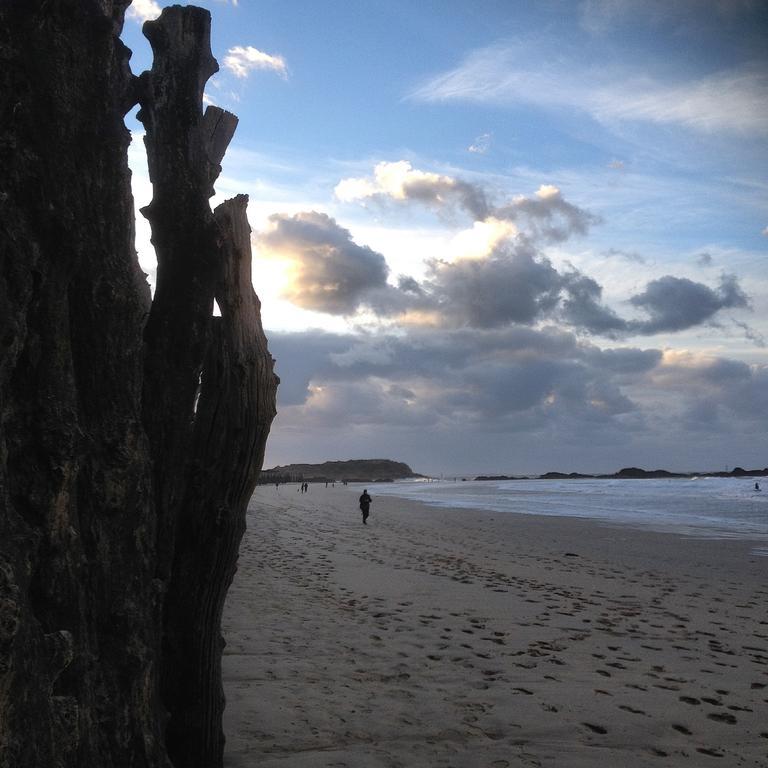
x,y
232,420
131,436
79,607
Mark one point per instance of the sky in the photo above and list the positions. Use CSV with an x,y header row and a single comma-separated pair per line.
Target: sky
x,y
500,237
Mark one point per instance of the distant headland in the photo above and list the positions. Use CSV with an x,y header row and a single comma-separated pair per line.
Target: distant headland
x,y
353,470
631,473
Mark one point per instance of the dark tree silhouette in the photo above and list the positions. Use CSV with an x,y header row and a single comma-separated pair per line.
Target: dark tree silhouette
x,y
132,430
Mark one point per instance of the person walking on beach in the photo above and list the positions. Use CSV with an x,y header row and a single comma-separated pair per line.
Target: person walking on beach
x,y
365,506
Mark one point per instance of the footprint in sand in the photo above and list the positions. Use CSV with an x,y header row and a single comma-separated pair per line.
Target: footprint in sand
x,y
710,752
632,710
722,717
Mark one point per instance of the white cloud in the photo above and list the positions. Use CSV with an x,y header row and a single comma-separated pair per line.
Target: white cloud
x,y
391,179
481,240
728,101
401,181
143,10
547,192
242,60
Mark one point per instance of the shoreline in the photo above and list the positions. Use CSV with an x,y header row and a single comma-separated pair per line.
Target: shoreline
x,y
706,524
442,637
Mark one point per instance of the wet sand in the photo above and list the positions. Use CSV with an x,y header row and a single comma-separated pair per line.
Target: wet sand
x,y
454,638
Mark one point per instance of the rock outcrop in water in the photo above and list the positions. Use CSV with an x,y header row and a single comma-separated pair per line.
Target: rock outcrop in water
x,y
132,429
633,473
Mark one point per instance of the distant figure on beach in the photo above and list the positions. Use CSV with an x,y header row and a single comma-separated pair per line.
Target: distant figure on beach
x,y
757,486
365,506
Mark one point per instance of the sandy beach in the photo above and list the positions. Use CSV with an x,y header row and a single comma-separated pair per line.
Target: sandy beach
x,y
435,637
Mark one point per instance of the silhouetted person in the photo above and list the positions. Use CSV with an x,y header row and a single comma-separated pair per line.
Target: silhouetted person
x,y
365,506
757,486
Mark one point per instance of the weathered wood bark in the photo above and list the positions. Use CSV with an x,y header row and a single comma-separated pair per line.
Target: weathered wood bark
x,y
122,503
186,242
209,387
234,411
79,630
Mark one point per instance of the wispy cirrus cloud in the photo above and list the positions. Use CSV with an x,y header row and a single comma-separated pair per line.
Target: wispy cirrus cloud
x,y
730,101
242,60
481,144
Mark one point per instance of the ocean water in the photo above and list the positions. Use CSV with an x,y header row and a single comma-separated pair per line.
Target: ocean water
x,y
707,507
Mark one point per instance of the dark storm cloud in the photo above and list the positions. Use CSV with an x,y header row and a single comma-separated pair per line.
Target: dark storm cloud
x,y
444,190
301,356
474,376
514,284
510,286
582,307
409,285
627,361
547,217
523,386
517,285
332,273
676,304
735,390
671,303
